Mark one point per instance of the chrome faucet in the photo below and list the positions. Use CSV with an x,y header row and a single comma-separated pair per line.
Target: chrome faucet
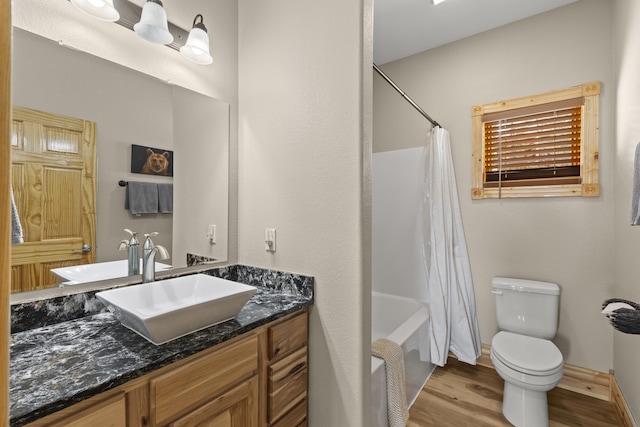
x,y
148,258
148,243
131,246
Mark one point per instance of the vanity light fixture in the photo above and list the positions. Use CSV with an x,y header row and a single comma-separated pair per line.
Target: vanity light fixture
x,y
436,1
150,23
153,24
100,9
197,47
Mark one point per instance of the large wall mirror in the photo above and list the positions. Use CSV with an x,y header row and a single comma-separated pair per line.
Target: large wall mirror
x,y
131,108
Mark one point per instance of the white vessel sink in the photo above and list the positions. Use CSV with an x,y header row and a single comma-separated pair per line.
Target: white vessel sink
x,y
98,271
168,309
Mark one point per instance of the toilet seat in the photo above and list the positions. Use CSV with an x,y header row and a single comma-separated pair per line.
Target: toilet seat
x,y
527,355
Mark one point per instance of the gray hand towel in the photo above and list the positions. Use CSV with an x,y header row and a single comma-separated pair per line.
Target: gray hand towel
x,y
16,227
142,197
393,356
635,199
165,198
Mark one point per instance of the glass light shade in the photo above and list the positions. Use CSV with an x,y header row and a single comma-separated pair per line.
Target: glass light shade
x,y
153,25
197,47
99,9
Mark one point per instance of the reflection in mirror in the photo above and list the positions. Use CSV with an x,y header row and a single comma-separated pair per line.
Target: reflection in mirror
x,y
128,108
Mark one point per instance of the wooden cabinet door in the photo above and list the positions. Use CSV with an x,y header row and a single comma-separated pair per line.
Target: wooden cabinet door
x,y
235,408
191,385
53,168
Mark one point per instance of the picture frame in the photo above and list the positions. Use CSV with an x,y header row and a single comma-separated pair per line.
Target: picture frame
x,y
151,161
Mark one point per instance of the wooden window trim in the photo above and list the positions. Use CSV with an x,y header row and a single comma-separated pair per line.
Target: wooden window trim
x,y
588,186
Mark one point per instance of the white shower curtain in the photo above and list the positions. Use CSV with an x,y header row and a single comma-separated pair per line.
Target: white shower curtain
x,y
454,322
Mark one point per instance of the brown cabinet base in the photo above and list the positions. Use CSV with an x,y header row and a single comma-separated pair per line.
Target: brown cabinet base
x,y
258,379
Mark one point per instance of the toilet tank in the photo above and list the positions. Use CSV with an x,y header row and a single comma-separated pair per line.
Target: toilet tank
x,y
527,307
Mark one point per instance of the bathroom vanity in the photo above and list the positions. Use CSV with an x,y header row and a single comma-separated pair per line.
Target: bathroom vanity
x,y
250,371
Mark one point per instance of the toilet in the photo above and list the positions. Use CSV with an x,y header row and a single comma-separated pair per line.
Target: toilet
x,y
522,352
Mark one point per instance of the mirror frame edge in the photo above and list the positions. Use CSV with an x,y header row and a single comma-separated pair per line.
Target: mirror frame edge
x,y
5,257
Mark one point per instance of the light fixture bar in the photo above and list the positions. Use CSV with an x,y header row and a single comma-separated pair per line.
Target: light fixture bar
x,y
130,15
436,1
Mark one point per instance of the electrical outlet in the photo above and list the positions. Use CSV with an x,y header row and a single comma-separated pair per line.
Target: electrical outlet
x,y
270,239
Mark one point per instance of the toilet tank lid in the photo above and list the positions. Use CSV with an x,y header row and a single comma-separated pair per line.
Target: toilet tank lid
x,y
524,285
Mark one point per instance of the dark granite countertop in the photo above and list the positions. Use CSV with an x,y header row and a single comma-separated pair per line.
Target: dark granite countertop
x,y
58,365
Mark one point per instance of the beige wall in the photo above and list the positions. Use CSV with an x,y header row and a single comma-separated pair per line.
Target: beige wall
x,y
564,240
302,155
201,169
626,20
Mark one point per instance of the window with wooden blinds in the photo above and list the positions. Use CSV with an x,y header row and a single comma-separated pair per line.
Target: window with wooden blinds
x,y
544,145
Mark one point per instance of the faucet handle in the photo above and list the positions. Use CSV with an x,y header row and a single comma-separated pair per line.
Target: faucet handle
x,y
148,243
123,245
134,237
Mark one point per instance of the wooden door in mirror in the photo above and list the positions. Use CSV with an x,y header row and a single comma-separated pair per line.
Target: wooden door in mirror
x,y
53,173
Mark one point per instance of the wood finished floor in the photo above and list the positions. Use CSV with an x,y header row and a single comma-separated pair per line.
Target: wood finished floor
x,y
461,395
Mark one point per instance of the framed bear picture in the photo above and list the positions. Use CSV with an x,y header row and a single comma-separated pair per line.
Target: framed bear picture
x,y
151,161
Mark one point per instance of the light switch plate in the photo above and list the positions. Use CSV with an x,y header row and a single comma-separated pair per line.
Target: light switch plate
x,y
211,234
270,239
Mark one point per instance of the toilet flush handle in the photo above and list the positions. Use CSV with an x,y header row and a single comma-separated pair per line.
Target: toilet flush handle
x,y
493,291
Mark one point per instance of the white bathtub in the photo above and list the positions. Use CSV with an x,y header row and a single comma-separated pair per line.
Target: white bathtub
x,y
406,322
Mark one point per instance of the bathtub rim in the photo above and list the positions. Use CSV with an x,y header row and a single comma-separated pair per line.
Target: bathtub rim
x,y
411,323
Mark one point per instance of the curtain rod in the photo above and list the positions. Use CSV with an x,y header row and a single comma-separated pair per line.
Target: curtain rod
x,y
405,96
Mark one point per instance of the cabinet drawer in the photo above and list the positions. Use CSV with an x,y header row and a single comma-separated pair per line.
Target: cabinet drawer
x,y
235,408
296,417
287,336
202,379
287,383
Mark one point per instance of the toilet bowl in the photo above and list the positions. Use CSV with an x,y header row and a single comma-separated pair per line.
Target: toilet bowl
x,y
530,367
522,352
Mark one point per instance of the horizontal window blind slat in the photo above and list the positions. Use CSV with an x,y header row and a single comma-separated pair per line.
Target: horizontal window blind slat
x,y
531,152
508,177
542,147
534,182
570,118
542,134
494,133
560,140
557,157
530,166
533,138
561,113
532,158
524,111
531,128
533,161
